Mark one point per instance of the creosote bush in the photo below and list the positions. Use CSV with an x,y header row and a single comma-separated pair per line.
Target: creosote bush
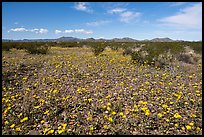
x,y
98,48
37,48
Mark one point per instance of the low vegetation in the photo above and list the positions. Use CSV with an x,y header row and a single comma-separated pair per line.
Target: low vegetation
x,y
90,88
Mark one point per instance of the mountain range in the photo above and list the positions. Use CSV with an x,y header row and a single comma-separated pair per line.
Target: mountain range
x,y
69,39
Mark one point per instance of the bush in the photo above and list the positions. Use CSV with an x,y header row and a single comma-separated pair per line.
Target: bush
x,y
128,51
37,48
98,48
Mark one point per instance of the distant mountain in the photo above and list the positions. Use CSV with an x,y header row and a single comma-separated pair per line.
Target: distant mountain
x,y
64,39
125,39
68,39
162,40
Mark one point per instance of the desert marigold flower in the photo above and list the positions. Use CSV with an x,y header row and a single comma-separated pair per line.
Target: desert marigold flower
x,y
46,112
159,115
90,99
113,113
121,113
147,112
6,122
89,118
197,129
24,119
164,106
42,121
91,128
51,131
12,126
105,126
104,107
109,104
177,115
110,119
191,124
186,103
18,129
20,115
176,125
36,107
64,126
193,115
188,127
167,120
60,131
108,108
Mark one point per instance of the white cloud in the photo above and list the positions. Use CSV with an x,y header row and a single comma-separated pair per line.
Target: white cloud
x,y
98,23
58,31
18,30
128,16
41,31
190,17
74,31
116,10
124,14
83,6
16,23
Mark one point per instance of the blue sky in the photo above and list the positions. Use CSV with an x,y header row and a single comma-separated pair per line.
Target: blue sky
x,y
138,20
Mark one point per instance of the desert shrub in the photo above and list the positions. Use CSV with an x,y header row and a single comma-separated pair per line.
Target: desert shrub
x,y
6,46
37,48
137,57
114,47
185,57
128,51
98,48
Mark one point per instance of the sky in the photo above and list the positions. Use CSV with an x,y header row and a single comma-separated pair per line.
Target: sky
x,y
138,20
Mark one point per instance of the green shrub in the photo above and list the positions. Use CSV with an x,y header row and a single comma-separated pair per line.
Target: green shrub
x,y
37,48
127,51
98,48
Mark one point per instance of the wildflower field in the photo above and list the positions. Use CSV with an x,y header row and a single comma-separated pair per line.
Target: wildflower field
x,y
74,92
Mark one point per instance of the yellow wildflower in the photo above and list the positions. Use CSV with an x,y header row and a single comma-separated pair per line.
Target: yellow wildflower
x,y
6,122
89,118
108,108
124,116
188,127
36,106
64,126
176,125
104,107
60,131
42,121
91,128
18,129
177,115
46,112
90,99
191,124
51,131
121,113
12,126
109,104
105,126
113,113
20,115
147,112
159,115
24,119
110,119
197,129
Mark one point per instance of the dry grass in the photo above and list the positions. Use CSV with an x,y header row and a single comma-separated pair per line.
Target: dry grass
x,y
70,91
